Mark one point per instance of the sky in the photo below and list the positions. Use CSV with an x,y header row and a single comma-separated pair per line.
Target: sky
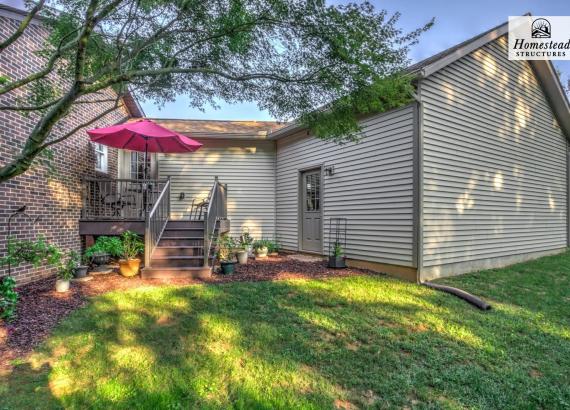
x,y
455,21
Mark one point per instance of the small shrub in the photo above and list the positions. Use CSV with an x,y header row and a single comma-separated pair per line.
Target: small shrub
x,y
131,244
36,251
337,250
245,239
224,247
111,245
272,246
8,298
66,269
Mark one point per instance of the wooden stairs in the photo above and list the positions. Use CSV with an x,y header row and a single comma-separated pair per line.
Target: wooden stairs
x,y
180,253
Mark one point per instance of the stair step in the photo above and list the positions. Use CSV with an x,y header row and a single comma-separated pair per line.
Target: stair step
x,y
177,261
181,241
160,251
185,224
176,273
184,232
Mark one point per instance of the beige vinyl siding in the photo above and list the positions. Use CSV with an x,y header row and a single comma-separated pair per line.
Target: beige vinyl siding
x,y
372,187
494,165
246,166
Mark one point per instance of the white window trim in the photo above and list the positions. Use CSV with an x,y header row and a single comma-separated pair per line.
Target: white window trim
x,y
101,150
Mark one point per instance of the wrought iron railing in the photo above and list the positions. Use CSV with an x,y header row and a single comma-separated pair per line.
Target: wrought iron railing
x,y
116,199
217,211
155,222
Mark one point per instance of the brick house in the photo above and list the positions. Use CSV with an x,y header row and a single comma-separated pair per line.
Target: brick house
x,y
51,189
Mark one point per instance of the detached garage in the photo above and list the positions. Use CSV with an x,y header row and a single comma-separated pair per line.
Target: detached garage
x,y
472,175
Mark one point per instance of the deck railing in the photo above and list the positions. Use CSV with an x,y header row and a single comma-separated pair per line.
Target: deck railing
x,y
117,199
156,221
217,210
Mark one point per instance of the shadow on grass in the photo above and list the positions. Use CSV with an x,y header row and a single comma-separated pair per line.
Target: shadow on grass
x,y
344,343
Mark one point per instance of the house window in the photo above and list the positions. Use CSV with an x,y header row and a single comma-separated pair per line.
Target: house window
x,y
101,155
137,165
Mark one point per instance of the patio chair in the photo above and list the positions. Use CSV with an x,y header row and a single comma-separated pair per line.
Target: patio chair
x,y
197,209
114,202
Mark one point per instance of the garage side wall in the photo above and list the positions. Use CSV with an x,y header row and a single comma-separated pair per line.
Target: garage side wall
x,y
494,166
372,186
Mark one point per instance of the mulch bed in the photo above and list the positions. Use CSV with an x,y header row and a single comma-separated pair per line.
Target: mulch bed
x,y
40,308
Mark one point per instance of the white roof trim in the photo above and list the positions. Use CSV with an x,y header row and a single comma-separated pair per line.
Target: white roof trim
x,y
463,51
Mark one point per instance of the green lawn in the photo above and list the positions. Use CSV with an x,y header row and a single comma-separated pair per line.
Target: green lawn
x,y
348,343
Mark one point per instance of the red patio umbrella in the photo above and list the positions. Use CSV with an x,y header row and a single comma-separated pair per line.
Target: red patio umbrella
x,y
143,136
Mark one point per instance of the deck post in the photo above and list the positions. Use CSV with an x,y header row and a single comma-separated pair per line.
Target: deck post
x,y
147,245
206,239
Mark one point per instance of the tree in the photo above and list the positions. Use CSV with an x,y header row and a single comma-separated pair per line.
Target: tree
x,y
288,56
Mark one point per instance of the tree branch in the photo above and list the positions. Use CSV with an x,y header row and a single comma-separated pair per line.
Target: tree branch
x,y
49,104
50,64
23,26
85,124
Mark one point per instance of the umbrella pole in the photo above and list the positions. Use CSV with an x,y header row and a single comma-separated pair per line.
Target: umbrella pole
x,y
145,157
145,185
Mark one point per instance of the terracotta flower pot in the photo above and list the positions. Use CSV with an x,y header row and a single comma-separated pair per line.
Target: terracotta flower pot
x,y
61,285
129,267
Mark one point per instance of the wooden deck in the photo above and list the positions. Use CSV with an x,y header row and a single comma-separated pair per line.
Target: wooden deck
x,y
96,227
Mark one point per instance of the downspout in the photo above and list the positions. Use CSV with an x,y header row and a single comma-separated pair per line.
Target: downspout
x,y
418,210
418,181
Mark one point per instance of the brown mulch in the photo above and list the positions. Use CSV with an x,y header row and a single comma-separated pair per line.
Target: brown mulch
x,y
40,307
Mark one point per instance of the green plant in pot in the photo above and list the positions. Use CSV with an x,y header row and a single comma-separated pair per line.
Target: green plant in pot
x,y
225,246
261,248
82,263
272,248
132,247
337,260
242,254
65,272
246,241
103,248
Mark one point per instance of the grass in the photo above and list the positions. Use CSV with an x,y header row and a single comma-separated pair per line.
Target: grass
x,y
358,342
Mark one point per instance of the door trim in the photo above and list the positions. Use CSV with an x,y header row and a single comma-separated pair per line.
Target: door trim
x,y
300,171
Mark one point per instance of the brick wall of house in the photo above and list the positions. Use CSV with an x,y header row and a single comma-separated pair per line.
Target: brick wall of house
x,y
51,192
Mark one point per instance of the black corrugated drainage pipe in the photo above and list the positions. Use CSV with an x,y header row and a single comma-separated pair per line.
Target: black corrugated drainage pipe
x,y
468,297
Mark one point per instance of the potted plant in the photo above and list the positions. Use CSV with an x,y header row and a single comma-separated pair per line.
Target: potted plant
x,y
65,272
81,270
225,245
132,246
273,248
336,260
246,241
103,248
260,248
242,255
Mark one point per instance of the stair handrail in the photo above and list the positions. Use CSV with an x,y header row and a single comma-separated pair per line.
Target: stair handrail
x,y
217,210
155,222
